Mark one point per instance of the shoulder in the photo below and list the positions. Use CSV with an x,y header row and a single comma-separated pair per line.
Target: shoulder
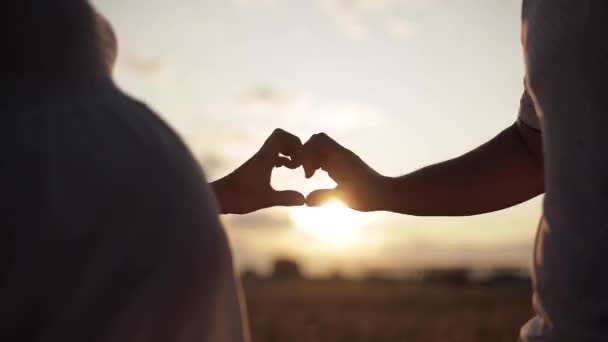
x,y
120,151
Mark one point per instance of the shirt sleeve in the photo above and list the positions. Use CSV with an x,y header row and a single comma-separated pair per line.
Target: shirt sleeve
x,y
527,112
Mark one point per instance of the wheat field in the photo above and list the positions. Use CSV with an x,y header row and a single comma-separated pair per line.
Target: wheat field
x,y
358,311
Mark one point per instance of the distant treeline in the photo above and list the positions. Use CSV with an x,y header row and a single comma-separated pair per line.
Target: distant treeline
x,y
286,269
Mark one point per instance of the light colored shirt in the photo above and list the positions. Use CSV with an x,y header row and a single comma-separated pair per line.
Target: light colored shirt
x,y
571,251
537,328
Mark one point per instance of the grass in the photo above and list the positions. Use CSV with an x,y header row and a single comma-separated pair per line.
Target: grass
x,y
336,311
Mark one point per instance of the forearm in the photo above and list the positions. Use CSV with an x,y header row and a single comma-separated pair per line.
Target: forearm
x,y
499,174
226,197
222,195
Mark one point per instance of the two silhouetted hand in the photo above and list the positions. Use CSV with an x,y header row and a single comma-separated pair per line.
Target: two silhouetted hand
x,y
358,185
248,188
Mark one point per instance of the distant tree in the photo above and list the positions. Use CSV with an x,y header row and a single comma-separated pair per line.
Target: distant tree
x,y
250,275
449,276
336,275
379,276
507,277
286,269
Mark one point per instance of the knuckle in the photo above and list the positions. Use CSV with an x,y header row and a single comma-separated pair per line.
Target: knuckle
x,y
277,132
324,139
316,139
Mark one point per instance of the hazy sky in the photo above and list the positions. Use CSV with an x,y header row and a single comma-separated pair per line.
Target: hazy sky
x,y
404,83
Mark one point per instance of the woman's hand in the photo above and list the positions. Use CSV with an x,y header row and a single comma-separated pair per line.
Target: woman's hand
x,y
248,189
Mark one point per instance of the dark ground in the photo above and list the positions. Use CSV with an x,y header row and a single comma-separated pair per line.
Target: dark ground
x,y
356,311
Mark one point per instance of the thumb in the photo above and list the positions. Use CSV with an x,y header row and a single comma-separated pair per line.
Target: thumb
x,y
318,198
287,199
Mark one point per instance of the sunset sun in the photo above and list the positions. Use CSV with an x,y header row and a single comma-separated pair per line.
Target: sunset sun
x,y
333,223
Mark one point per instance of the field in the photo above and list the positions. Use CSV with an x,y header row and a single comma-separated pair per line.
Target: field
x,y
357,311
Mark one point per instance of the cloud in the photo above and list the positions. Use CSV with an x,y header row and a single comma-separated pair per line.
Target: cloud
x,y
254,2
307,112
214,164
399,28
141,64
348,116
260,220
264,96
359,19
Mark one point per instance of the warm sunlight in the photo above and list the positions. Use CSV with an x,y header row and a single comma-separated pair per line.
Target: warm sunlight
x,y
333,223
225,85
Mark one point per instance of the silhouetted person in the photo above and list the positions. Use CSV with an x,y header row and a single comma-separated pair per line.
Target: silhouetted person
x,y
109,230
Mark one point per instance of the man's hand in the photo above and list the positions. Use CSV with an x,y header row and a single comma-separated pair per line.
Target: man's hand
x,y
248,189
359,186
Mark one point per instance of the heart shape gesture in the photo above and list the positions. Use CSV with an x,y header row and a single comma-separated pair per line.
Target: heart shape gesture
x,y
248,188
358,185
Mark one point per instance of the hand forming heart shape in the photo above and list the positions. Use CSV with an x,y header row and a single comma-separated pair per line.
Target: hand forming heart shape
x,y
248,188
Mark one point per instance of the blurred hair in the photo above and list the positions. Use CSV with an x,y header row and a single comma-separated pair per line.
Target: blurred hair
x,y
50,40
107,41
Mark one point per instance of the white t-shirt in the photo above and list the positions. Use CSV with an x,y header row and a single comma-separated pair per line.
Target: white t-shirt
x,y
571,250
536,328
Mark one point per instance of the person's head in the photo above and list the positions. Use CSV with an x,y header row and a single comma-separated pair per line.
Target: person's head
x,y
55,41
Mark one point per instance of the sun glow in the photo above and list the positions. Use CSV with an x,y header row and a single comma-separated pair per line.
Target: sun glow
x,y
333,223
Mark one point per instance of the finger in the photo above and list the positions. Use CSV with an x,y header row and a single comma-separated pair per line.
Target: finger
x,y
316,151
318,198
284,143
309,158
291,163
284,161
287,198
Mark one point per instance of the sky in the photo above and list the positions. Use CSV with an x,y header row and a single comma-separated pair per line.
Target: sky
x,y
403,83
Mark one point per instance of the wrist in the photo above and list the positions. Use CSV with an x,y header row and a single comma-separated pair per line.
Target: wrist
x,y
387,198
221,190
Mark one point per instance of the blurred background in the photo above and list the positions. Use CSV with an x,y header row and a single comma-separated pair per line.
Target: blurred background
x,y
403,83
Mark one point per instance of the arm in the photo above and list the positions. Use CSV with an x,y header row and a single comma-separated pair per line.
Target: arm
x,y
505,171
